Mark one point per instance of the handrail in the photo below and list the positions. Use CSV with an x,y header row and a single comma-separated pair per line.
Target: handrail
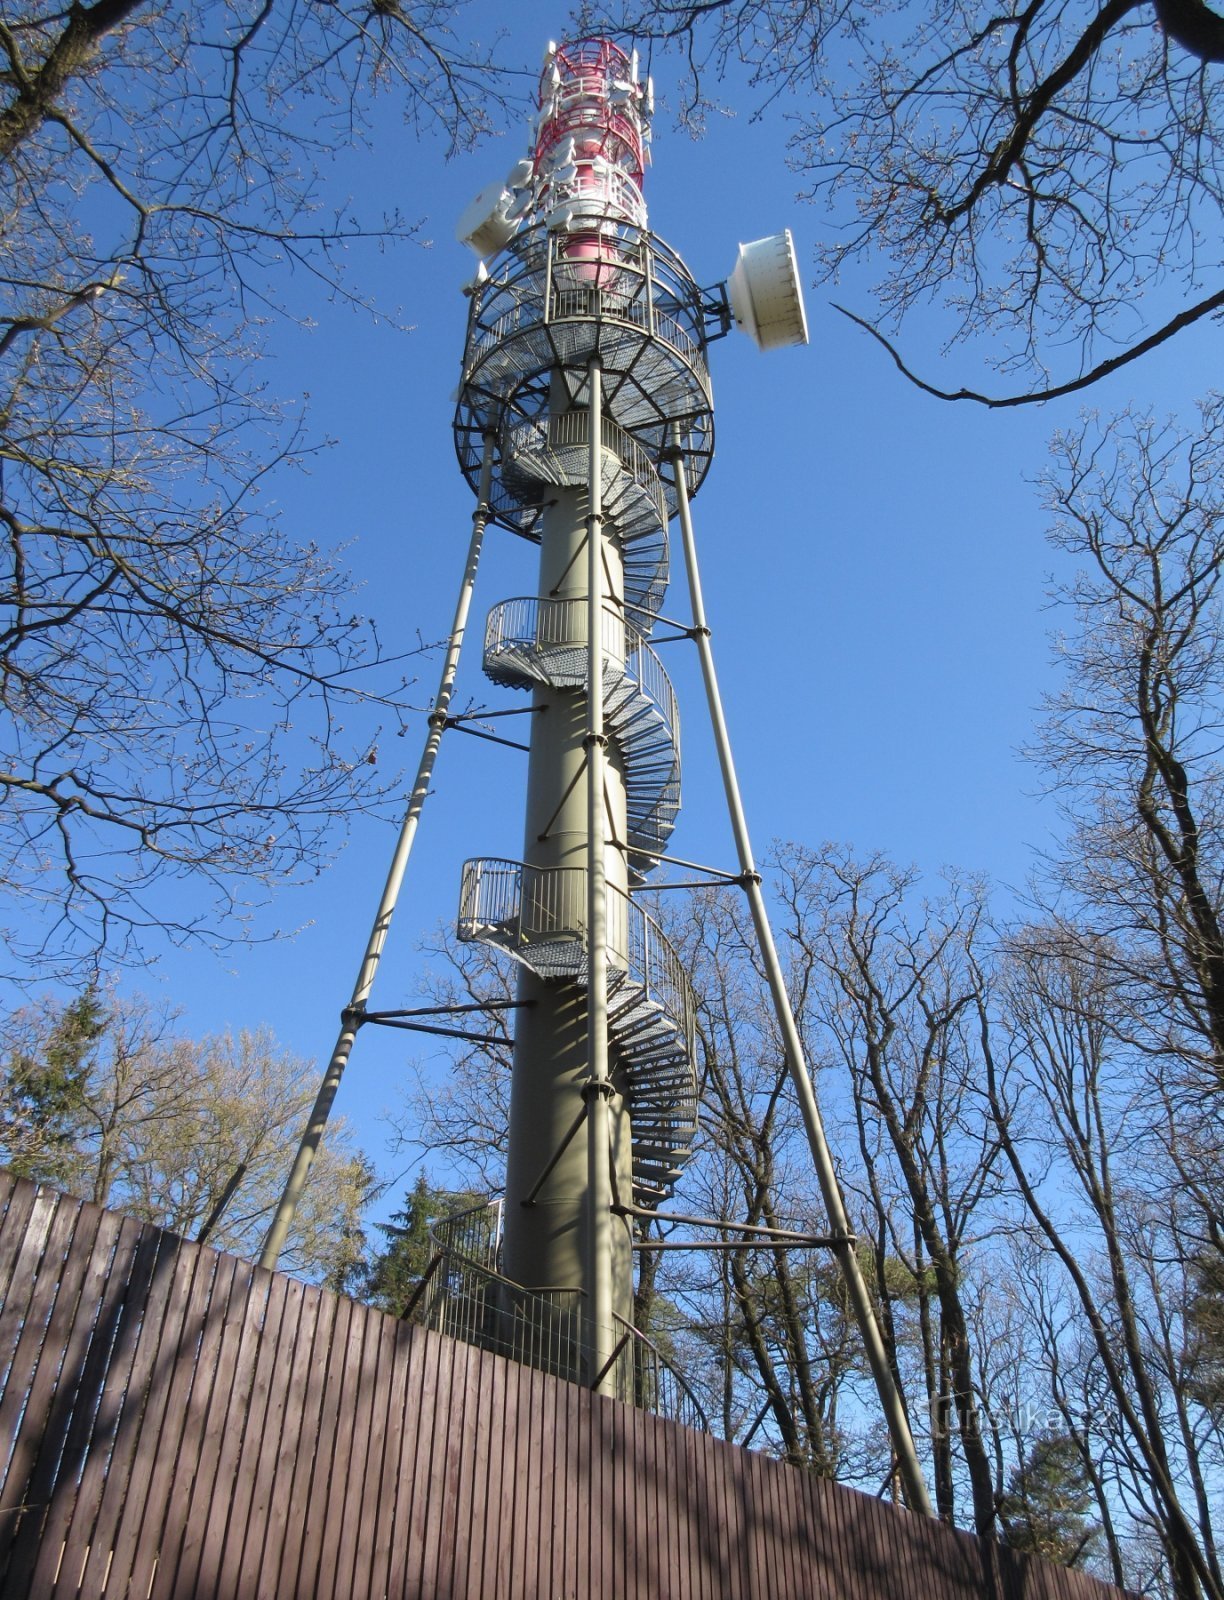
x,y
571,430
651,1366
545,624
529,905
467,1299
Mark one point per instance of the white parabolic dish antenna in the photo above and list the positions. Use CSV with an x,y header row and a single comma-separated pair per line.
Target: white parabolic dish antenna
x,y
765,293
484,226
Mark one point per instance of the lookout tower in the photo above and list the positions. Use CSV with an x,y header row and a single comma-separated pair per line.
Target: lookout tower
x,y
584,424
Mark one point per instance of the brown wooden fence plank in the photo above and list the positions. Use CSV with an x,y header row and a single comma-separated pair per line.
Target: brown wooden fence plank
x,y
402,1577
673,1476
487,1484
386,1424
221,1466
61,1289
428,1499
203,1361
617,1512
272,1492
503,1448
279,1307
560,1539
791,1516
31,1302
474,1499
329,1576
209,1496
756,1512
397,1484
355,1447
451,1487
218,1409
699,1569
26,1214
159,1423
531,1428
10,1190
93,1412
303,1573
289,1491
124,1484
140,1543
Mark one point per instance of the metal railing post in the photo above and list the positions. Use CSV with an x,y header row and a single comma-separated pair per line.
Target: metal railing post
x,y
860,1299
598,1088
351,1016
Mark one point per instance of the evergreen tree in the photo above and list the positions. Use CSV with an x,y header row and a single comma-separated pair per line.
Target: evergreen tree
x,y
43,1092
1047,1506
387,1281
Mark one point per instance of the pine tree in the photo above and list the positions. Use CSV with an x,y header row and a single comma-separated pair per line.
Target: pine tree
x,y
1047,1505
42,1093
391,1276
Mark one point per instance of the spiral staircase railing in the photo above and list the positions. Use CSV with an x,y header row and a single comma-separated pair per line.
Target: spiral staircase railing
x,y
463,1294
537,915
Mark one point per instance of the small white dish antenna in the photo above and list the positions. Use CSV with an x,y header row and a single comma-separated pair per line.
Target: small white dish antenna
x,y
484,226
520,173
766,294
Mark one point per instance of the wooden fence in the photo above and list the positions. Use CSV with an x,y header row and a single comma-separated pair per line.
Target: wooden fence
x,y
178,1424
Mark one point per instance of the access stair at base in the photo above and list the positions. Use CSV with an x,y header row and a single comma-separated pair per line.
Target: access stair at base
x,y
542,642
537,915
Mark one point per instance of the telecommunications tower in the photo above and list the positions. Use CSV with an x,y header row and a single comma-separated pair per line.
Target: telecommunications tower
x,y
585,425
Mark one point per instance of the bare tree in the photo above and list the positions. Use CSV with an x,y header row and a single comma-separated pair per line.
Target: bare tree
x,y
1132,741
1037,168
1108,1207
188,1134
175,670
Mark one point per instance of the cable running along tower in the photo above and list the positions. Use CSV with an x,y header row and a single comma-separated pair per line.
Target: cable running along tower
x,y
585,425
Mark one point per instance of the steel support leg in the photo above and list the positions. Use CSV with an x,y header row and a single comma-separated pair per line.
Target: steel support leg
x,y
864,1313
599,1337
352,1015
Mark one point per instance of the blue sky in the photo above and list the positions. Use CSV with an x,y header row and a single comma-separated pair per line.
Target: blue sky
x,y
874,566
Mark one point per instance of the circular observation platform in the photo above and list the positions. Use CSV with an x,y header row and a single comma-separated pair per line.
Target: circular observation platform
x,y
534,325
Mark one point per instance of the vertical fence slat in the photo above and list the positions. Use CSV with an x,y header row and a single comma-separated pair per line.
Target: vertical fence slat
x,y
140,1542
92,1415
49,1313
261,1551
413,1344
124,1479
431,1469
207,1499
322,1577
346,1501
193,1269
302,1558
26,1220
275,1354
289,1492
228,1420
190,1426
386,1423
474,1500
203,1359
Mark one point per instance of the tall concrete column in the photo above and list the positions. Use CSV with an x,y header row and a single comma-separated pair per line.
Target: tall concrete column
x,y
545,1239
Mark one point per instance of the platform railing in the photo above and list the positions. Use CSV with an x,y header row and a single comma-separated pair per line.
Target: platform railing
x,y
571,430
538,626
464,1295
515,905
